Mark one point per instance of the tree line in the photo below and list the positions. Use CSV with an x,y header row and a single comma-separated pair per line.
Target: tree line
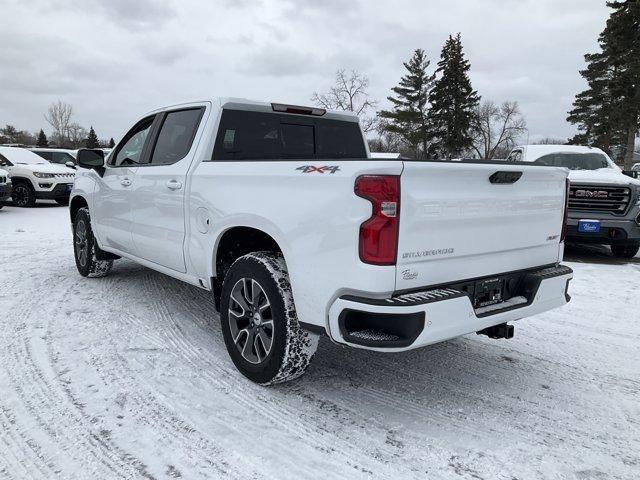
x,y
435,113
66,133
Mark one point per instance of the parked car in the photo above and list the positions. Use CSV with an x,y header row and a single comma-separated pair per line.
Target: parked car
x,y
5,187
34,178
604,204
57,155
280,211
636,167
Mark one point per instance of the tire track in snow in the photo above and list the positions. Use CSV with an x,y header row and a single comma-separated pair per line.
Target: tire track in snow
x,y
46,404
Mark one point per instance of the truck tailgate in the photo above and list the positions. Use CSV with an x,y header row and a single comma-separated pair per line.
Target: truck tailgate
x,y
455,224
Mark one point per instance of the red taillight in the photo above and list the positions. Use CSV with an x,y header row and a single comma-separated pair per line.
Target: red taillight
x,y
565,220
379,234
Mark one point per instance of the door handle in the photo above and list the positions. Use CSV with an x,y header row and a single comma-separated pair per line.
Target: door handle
x,y
174,185
125,182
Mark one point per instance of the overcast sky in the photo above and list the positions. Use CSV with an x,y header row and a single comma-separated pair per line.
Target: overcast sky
x,y
113,60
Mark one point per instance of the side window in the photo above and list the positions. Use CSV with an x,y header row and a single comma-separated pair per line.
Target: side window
x,y
46,155
176,136
130,151
62,158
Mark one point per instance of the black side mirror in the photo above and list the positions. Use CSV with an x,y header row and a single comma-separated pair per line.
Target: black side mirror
x,y
632,173
90,158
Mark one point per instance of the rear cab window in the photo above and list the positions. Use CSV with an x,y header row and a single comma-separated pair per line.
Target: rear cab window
x,y
248,135
176,135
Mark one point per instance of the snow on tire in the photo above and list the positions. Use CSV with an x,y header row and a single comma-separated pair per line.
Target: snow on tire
x,y
257,303
85,248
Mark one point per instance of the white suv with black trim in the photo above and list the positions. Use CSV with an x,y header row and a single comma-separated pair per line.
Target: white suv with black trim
x,y
35,178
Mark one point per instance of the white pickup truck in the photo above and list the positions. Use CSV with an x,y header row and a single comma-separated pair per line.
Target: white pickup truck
x,y
280,212
604,203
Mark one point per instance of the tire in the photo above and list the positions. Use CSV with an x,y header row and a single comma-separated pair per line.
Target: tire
x,y
23,195
85,248
625,250
246,333
62,201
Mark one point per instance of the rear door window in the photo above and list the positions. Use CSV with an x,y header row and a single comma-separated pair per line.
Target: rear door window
x,y
176,136
245,135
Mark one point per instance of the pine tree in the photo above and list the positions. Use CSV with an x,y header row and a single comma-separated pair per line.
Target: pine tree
x,y
42,140
409,119
453,102
607,113
92,139
111,143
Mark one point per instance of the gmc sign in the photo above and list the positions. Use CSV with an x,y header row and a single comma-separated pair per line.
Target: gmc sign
x,y
590,194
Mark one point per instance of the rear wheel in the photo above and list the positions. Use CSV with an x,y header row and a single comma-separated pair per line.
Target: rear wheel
x,y
23,195
85,249
625,250
259,321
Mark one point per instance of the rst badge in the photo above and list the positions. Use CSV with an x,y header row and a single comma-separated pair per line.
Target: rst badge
x,y
313,168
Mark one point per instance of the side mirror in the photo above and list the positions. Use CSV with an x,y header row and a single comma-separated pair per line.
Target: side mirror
x,y
632,173
70,164
92,158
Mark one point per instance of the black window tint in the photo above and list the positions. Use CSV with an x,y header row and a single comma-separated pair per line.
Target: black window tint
x,y
62,158
340,140
245,135
45,155
176,136
297,140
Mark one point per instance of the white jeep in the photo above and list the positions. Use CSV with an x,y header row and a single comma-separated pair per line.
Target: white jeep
x,y
35,178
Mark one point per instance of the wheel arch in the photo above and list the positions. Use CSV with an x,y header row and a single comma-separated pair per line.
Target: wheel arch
x,y
76,204
233,243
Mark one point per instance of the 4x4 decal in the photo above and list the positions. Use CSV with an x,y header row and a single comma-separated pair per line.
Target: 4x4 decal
x,y
312,168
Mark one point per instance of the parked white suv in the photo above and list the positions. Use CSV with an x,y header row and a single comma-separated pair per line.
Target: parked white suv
x,y
281,212
5,187
604,203
34,178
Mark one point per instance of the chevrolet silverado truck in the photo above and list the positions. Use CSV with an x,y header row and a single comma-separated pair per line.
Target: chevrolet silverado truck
x,y
604,203
5,187
280,212
34,178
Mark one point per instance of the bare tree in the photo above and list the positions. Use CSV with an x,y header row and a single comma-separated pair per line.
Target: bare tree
x,y
76,135
349,92
496,128
550,141
59,117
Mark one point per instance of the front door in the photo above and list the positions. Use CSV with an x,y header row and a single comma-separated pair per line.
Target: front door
x,y
111,215
159,190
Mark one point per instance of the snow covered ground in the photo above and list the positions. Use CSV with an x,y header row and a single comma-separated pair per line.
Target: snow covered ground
x,y
128,377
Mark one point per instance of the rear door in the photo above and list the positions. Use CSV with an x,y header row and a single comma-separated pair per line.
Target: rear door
x,y
456,224
158,195
111,215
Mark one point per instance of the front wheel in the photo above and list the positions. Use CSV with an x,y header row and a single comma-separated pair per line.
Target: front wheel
x,y
625,250
259,321
85,248
23,195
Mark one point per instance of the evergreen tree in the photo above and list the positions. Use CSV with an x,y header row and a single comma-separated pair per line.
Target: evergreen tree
x,y
409,117
111,143
453,102
607,113
42,140
92,139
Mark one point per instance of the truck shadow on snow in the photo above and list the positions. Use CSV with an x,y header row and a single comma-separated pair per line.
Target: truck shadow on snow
x,y
584,253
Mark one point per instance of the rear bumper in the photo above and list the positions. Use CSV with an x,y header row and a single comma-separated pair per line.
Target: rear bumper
x,y
422,318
